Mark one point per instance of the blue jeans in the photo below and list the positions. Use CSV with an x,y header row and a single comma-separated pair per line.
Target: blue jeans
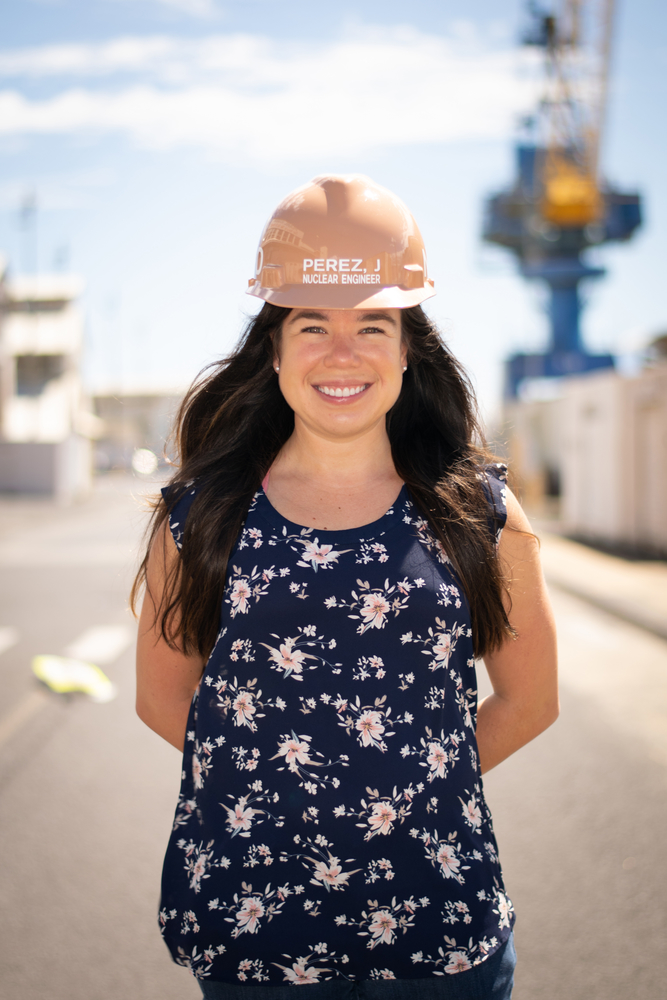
x,y
492,980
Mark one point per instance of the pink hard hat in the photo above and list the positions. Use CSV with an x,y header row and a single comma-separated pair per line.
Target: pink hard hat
x,y
341,242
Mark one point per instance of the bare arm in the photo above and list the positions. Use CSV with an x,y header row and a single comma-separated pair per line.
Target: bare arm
x,y
523,672
166,678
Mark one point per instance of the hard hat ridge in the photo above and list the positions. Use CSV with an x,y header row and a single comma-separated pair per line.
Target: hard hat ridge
x,y
341,242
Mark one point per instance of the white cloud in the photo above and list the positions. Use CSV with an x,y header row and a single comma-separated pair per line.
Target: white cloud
x,y
245,95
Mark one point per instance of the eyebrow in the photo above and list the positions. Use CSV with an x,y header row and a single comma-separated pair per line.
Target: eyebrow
x,y
369,317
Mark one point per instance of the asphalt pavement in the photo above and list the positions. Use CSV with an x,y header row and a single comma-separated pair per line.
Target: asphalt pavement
x,y
87,792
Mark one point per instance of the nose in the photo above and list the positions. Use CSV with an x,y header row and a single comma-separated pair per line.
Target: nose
x,y
342,351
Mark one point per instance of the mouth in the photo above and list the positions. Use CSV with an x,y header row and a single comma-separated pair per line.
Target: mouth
x,y
342,391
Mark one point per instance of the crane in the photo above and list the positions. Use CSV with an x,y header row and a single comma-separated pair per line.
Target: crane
x,y
560,204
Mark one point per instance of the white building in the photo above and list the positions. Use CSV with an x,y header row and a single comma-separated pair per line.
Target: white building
x,y
45,424
602,445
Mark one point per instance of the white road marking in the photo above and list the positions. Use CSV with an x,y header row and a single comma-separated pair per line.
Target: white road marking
x,y
8,637
20,714
100,644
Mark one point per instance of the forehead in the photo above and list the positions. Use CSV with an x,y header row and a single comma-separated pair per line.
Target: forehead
x,y
353,316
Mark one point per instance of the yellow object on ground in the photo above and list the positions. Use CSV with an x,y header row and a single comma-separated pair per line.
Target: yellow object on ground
x,y
65,676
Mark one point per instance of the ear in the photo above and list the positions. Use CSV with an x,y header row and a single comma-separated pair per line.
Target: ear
x,y
404,354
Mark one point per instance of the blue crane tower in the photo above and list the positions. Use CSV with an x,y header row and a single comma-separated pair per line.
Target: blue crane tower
x,y
557,208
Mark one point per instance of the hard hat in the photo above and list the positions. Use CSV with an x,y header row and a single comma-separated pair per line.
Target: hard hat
x,y
341,242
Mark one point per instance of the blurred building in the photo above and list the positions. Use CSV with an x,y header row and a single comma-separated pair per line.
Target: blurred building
x,y
134,421
592,450
46,425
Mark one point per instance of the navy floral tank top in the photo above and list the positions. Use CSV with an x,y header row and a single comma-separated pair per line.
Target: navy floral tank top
x,y
331,821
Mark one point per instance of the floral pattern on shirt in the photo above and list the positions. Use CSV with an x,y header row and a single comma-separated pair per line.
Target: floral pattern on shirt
x,y
331,821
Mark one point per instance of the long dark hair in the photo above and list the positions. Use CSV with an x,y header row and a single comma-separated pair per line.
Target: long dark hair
x,y
233,422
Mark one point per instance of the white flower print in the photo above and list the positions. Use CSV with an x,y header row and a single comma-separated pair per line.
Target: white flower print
x,y
299,756
381,923
201,762
503,909
440,642
250,909
244,700
378,868
374,604
254,967
245,813
456,958
381,974
240,597
370,552
453,912
366,664
440,752
446,855
290,660
472,813
199,861
248,915
304,970
382,926
199,963
243,587
319,556
370,726
457,962
327,869
379,814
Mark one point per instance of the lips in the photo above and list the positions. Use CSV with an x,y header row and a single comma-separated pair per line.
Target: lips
x,y
342,392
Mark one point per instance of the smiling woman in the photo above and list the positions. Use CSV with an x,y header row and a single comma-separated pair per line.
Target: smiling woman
x,y
324,568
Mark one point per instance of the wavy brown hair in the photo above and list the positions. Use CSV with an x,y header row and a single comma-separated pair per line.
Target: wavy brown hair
x,y
233,422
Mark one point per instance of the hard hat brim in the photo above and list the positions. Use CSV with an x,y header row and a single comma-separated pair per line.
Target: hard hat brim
x,y
345,297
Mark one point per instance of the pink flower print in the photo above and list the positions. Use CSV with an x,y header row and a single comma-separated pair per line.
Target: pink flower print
x,y
443,648
370,726
239,597
458,962
294,750
382,817
382,928
437,760
504,910
248,915
301,975
319,555
449,863
376,607
198,869
288,659
244,709
331,875
240,817
256,536
472,813
197,771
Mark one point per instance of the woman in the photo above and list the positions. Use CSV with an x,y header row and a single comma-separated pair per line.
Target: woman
x,y
323,571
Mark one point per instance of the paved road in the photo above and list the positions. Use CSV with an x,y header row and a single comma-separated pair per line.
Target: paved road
x,y
87,793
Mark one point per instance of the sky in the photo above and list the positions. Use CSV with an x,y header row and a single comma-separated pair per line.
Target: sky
x,y
157,136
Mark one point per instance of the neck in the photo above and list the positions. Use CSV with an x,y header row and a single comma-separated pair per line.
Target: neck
x,y
337,464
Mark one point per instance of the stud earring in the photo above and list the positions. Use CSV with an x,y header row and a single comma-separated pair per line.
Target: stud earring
x,y
277,368
405,368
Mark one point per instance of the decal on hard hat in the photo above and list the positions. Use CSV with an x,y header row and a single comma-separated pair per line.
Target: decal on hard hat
x,y
341,242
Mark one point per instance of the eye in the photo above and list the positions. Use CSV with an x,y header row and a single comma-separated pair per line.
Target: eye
x,y
313,329
372,329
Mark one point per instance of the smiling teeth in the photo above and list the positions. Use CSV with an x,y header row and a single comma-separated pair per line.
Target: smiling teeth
x,y
347,391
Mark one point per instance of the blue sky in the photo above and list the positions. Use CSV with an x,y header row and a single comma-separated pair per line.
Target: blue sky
x,y
158,135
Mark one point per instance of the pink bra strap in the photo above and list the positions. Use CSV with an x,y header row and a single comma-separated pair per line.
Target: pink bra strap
x,y
265,481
